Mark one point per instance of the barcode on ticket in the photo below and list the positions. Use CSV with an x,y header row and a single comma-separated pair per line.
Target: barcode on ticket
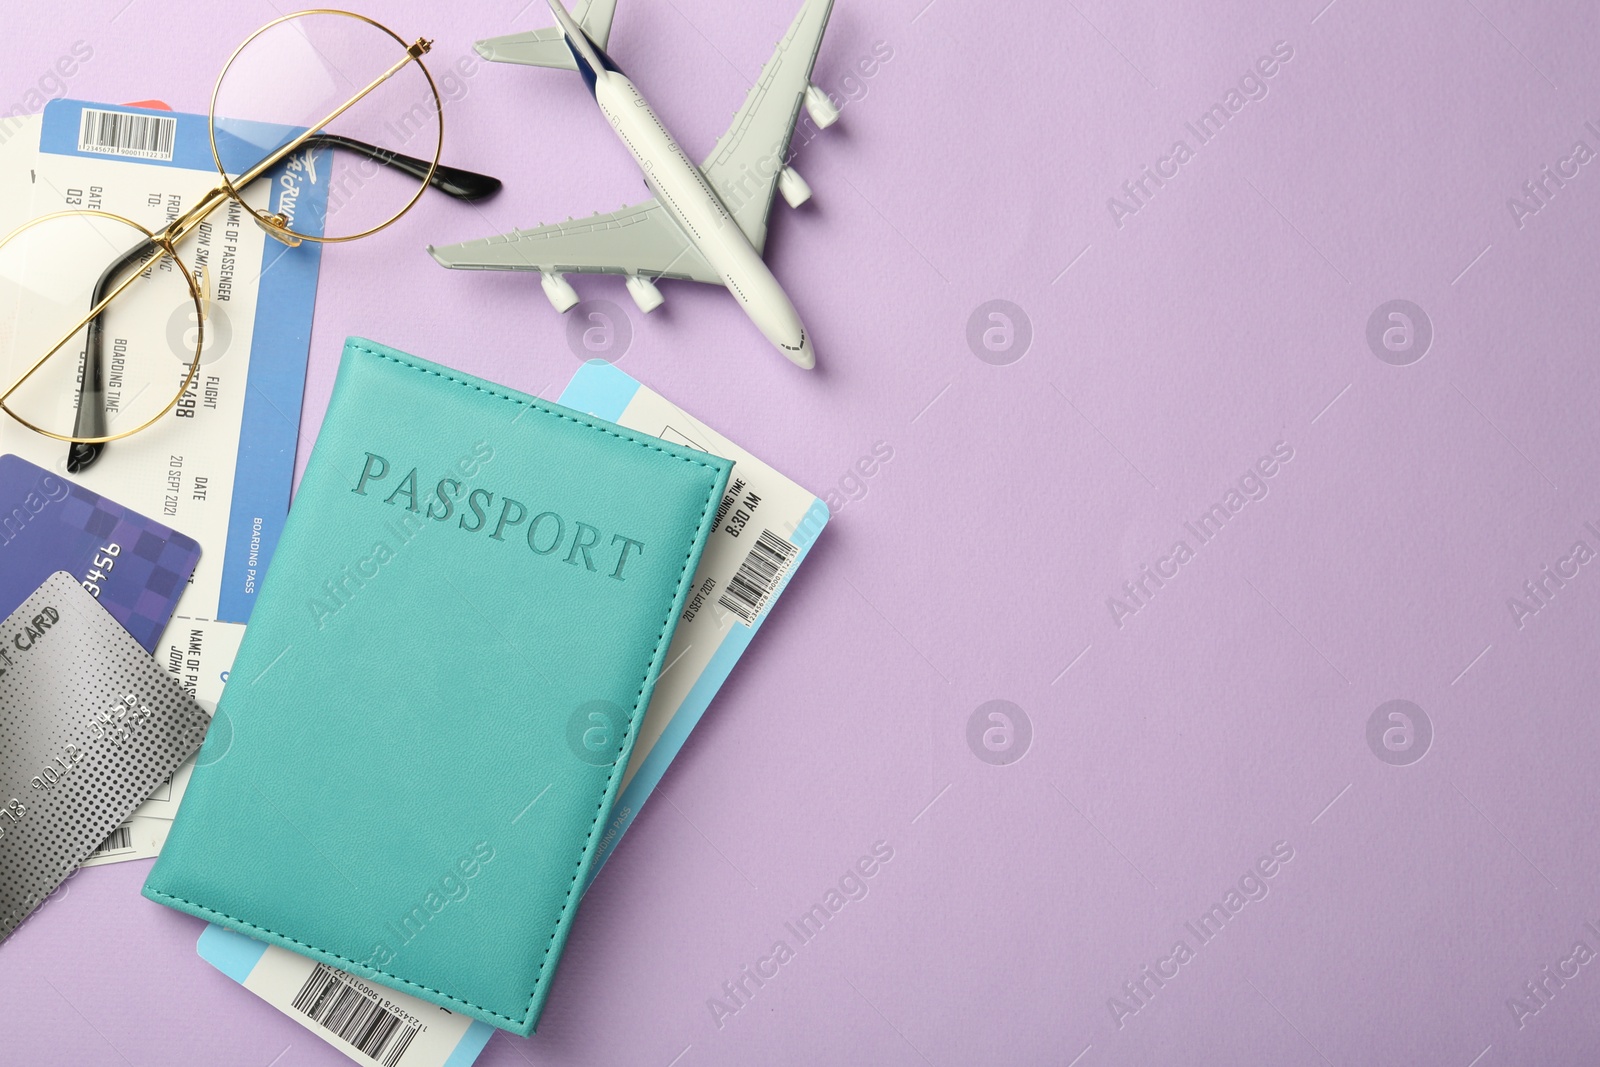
x,y
355,1014
118,133
758,576
121,838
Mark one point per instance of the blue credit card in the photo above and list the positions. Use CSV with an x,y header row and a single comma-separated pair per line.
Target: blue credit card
x,y
135,567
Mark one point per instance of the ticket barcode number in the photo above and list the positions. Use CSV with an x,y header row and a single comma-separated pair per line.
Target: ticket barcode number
x,y
758,577
119,133
355,1014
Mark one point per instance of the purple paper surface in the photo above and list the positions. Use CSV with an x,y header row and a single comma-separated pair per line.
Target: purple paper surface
x,y
1170,721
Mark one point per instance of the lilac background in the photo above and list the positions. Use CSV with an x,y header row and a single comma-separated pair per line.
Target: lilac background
x,y
1168,355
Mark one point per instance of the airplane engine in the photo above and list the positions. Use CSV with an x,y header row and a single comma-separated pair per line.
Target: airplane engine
x,y
820,108
560,291
793,187
644,293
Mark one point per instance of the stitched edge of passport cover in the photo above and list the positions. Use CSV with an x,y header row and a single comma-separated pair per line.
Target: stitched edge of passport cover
x,y
564,916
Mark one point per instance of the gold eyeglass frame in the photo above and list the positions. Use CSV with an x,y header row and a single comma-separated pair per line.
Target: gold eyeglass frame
x,y
164,243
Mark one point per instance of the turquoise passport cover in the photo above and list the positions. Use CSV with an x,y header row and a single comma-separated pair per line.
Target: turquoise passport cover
x,y
426,724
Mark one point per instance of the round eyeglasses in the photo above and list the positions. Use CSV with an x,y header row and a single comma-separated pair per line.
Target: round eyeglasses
x,y
325,126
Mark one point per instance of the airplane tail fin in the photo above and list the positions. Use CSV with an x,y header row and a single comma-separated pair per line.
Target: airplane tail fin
x,y
548,47
596,21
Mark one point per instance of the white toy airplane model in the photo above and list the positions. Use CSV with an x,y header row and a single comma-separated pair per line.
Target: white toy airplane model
x,y
707,223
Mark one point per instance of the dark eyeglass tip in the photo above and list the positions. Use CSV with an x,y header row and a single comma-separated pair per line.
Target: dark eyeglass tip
x,y
452,181
81,456
465,184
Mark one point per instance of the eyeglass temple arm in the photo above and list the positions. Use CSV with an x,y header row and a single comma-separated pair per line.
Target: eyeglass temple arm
x,y
452,181
91,417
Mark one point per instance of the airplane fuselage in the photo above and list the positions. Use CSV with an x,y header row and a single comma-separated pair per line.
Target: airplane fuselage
x,y
706,222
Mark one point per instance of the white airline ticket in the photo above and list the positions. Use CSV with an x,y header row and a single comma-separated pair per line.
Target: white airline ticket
x,y
766,524
184,472
140,836
19,146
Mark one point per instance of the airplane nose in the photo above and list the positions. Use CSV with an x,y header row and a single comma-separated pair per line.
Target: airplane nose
x,y
804,357
808,356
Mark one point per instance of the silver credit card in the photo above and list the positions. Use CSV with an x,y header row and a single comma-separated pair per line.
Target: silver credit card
x,y
90,725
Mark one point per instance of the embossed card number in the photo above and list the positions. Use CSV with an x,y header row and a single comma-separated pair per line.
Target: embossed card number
x,y
117,725
90,725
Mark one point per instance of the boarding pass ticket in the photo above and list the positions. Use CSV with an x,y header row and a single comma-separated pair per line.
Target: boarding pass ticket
x,y
766,524
244,415
224,475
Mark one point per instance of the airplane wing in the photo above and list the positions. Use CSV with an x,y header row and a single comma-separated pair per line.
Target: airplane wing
x,y
641,239
744,166
547,47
